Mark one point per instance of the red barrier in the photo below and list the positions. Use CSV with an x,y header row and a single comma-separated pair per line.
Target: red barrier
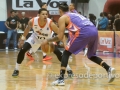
x,y
117,40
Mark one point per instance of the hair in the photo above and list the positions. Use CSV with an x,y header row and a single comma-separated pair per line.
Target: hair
x,y
92,16
105,14
64,7
117,16
73,4
15,11
42,9
42,4
12,11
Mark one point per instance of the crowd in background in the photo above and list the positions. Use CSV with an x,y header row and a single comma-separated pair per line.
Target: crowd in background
x,y
13,23
106,22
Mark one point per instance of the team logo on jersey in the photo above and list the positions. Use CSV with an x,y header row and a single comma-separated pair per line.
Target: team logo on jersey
x,y
47,28
38,32
32,41
35,27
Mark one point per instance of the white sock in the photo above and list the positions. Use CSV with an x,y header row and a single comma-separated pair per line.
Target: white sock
x,y
68,67
30,51
17,66
44,54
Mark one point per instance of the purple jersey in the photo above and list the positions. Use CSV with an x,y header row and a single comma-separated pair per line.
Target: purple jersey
x,y
73,11
77,21
82,33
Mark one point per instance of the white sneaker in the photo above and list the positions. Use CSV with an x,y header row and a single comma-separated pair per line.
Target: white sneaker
x,y
58,82
15,48
6,48
111,74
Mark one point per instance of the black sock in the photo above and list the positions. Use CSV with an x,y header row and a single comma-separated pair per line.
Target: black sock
x,y
44,56
62,72
98,61
104,65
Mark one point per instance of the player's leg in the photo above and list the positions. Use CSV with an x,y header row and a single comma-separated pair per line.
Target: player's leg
x,y
92,47
29,53
58,53
20,58
75,47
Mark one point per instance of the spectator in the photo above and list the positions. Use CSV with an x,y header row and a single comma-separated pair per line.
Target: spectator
x,y
92,18
111,21
79,12
103,23
72,8
116,24
23,21
16,15
12,25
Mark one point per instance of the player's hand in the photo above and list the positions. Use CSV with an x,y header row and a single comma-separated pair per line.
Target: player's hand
x,y
21,41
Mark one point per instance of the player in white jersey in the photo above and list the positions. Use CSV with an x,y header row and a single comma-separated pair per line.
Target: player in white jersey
x,y
29,53
42,27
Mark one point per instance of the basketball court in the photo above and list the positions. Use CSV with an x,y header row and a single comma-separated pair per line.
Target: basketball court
x,y
40,74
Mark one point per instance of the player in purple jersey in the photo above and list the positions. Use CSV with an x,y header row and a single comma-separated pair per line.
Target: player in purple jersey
x,y
82,32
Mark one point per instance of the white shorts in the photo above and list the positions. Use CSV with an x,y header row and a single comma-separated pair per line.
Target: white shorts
x,y
34,42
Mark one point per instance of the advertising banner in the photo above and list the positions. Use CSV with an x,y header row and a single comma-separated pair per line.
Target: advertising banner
x,y
117,41
106,41
31,7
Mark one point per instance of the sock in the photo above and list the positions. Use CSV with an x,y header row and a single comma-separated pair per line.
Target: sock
x,y
100,62
62,72
68,68
44,54
17,66
104,65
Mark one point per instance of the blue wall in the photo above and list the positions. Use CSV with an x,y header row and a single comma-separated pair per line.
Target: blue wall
x,y
3,27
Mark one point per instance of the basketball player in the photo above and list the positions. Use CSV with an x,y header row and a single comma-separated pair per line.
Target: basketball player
x,y
72,8
29,54
82,32
42,27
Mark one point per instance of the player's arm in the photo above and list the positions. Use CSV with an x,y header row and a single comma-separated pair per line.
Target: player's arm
x,y
59,37
54,27
27,29
7,23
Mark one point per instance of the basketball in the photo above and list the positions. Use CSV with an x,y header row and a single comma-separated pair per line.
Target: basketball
x,y
48,48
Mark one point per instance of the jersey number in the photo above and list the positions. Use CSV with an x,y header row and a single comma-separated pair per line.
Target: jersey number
x,y
39,37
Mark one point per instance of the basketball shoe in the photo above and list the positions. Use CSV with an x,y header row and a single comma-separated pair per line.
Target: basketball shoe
x,y
58,82
31,59
15,73
47,58
30,56
111,74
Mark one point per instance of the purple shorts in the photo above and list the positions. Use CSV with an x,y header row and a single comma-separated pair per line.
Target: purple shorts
x,y
88,36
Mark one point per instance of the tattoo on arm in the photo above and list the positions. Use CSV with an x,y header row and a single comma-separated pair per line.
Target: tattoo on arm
x,y
54,39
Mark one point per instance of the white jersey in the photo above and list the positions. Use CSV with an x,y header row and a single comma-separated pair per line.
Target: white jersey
x,y
40,33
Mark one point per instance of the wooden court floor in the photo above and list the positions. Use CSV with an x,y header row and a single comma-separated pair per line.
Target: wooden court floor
x,y
39,75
